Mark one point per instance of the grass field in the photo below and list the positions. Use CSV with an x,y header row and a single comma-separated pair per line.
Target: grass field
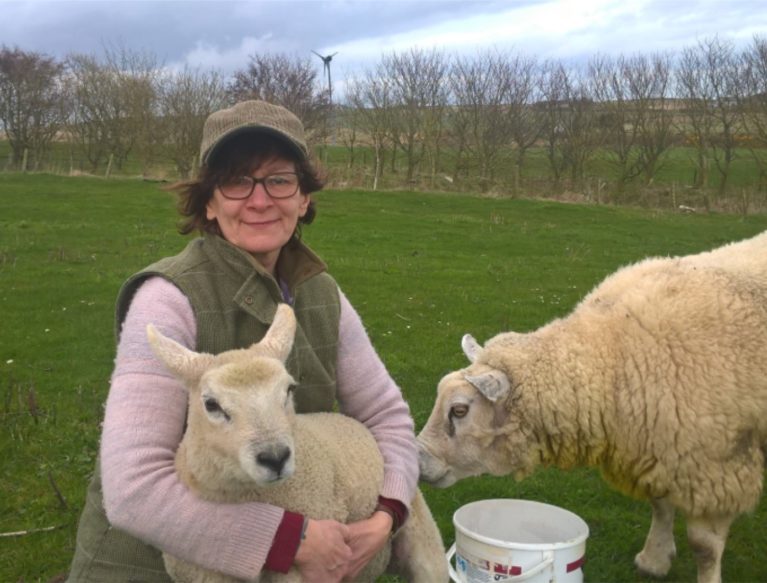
x,y
422,269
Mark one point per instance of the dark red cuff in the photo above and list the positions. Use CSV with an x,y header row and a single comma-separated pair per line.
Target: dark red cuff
x,y
285,544
397,510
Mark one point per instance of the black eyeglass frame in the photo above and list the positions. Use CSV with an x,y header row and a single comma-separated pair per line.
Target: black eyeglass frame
x,y
263,182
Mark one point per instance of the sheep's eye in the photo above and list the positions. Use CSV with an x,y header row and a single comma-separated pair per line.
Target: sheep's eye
x,y
213,406
460,410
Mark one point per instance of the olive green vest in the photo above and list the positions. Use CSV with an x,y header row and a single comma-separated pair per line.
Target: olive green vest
x,y
234,300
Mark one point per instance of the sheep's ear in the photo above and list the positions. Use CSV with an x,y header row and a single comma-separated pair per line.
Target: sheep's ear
x,y
278,340
493,385
182,362
470,347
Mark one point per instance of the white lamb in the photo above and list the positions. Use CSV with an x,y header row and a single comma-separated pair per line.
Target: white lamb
x,y
244,442
658,377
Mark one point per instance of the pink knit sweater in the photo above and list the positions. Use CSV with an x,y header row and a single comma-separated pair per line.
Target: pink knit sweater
x,y
144,423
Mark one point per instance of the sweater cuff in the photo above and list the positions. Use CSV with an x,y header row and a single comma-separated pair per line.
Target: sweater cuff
x,y
396,509
285,544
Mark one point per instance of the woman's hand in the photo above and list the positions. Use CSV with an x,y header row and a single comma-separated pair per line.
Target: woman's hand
x,y
324,555
366,538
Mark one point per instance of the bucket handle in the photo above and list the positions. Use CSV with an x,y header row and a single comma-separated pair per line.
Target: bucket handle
x,y
449,556
548,559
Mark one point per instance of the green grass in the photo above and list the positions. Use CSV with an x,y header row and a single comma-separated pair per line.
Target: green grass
x,y
422,269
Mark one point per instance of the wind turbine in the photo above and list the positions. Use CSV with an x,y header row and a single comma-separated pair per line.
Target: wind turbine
x,y
326,69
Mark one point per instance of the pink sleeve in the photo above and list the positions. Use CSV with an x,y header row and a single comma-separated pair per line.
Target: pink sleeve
x,y
367,392
143,425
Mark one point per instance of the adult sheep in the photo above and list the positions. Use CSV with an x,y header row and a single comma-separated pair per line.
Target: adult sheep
x,y
244,442
658,377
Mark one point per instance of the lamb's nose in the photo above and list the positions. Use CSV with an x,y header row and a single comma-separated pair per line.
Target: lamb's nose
x,y
274,459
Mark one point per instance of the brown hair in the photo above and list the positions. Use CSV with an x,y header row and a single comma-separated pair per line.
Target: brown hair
x,y
240,155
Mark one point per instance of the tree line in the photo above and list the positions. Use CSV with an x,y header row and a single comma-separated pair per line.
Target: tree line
x,y
417,117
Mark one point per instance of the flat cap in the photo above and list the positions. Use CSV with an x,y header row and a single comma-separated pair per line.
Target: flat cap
x,y
252,116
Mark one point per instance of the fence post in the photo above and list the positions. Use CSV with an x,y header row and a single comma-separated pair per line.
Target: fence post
x,y
24,160
109,165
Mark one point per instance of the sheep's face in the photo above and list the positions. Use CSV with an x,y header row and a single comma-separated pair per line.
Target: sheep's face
x,y
473,429
243,413
240,404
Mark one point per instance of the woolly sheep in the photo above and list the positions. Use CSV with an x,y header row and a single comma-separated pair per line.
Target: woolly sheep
x,y
658,377
244,442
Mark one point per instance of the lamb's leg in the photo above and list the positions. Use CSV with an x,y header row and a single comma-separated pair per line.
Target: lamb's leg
x,y
707,537
659,547
418,553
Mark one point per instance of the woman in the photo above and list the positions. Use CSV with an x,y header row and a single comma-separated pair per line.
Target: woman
x,y
249,201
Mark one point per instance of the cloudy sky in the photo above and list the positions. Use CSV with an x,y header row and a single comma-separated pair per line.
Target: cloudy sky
x,y
221,34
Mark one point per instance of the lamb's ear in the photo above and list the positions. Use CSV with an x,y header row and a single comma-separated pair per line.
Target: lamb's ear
x,y
470,347
278,341
182,362
493,385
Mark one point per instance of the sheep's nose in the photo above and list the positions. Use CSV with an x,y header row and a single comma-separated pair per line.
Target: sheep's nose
x,y
274,459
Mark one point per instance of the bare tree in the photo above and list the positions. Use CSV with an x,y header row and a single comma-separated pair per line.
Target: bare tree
x,y
114,101
571,133
708,83
31,103
524,122
92,122
186,98
288,81
480,88
138,74
370,96
650,80
419,99
696,125
722,73
753,101
632,93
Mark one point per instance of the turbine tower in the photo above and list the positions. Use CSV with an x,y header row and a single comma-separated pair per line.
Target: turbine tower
x,y
326,71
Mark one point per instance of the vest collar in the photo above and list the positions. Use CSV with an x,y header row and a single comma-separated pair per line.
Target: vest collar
x,y
296,262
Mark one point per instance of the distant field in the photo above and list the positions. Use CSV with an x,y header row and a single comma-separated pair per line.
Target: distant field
x,y
671,187
422,269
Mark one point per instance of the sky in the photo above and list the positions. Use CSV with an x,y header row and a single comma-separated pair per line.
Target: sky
x,y
222,34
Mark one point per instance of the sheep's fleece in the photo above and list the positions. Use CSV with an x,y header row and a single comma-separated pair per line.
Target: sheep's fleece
x,y
658,377
244,442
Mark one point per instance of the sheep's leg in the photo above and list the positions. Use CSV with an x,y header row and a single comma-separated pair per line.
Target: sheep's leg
x,y
707,537
659,547
418,553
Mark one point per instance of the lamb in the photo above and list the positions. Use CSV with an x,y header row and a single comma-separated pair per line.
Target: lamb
x,y
658,377
244,442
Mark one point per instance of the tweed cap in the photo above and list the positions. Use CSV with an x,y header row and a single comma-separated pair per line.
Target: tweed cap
x,y
252,116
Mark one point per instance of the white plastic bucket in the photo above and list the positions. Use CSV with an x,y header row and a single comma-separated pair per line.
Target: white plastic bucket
x,y
517,540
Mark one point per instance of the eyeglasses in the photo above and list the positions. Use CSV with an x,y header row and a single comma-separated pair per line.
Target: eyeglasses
x,y
282,185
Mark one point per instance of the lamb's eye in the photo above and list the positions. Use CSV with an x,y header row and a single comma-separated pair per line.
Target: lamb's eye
x,y
212,406
460,410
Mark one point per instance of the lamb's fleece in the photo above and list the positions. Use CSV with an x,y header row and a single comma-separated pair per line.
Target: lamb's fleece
x,y
658,377
244,442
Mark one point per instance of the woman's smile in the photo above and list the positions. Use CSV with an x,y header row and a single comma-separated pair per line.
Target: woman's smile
x,y
260,224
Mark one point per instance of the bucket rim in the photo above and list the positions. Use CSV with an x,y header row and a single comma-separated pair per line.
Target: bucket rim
x,y
523,546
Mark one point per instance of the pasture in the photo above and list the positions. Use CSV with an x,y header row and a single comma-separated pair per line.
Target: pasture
x,y
422,269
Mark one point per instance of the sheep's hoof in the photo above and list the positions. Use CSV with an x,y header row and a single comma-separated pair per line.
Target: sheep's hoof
x,y
654,566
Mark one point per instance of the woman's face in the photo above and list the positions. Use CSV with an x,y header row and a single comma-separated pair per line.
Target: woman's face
x,y
259,224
